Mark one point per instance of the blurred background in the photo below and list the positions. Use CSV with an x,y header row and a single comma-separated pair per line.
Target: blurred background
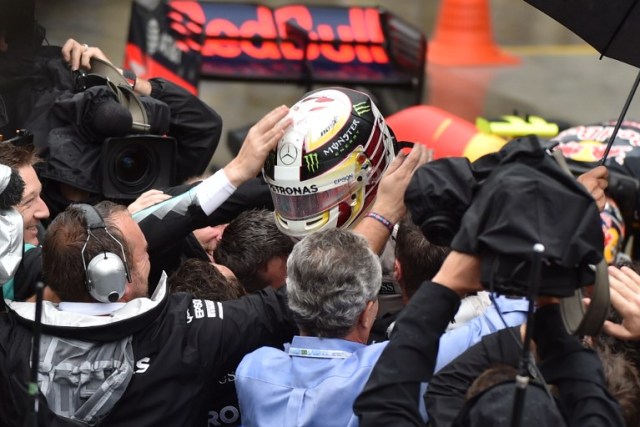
x,y
558,76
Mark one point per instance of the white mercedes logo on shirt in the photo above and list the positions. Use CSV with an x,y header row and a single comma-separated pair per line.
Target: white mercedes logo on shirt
x,y
288,154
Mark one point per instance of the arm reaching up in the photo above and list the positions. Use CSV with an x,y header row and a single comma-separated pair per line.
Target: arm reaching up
x,y
624,285
596,181
262,138
390,198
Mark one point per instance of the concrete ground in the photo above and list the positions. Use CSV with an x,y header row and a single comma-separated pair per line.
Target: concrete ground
x,y
559,77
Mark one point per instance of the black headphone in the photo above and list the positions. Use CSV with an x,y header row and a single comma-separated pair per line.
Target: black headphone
x,y
107,273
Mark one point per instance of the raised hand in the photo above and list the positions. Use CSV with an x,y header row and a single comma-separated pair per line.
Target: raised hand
x,y
596,181
78,55
146,199
624,286
389,201
390,198
262,138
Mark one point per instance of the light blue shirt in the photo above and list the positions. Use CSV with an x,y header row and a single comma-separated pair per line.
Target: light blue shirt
x,y
456,341
286,388
314,382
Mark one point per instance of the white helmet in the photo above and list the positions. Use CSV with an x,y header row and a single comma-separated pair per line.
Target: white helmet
x,y
327,166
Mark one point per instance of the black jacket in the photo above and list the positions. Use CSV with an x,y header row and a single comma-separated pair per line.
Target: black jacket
x,y
183,350
167,226
574,369
167,231
447,389
392,393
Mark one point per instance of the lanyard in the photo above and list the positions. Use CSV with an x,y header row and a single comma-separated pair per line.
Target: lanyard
x,y
319,353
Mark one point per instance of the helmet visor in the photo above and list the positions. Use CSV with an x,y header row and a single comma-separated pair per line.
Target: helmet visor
x,y
304,206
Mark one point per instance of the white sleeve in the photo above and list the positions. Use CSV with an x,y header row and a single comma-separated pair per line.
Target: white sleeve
x,y
214,191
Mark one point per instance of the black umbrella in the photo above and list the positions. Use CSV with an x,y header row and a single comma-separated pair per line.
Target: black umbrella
x,y
612,27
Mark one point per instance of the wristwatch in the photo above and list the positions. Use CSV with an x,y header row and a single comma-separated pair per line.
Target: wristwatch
x,y
131,78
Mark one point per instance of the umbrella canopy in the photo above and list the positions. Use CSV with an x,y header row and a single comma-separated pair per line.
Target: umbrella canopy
x,y
612,27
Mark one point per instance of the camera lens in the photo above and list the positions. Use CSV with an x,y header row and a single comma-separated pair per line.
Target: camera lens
x,y
134,166
136,163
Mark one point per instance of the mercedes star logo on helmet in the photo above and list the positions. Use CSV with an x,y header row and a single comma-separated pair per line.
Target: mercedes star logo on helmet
x,y
288,154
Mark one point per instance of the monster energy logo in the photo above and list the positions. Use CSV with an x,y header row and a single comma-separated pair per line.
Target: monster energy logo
x,y
362,107
312,162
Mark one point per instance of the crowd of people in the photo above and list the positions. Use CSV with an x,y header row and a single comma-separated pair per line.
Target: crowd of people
x,y
297,285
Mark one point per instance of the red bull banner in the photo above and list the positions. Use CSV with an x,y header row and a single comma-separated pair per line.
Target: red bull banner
x,y
165,40
186,40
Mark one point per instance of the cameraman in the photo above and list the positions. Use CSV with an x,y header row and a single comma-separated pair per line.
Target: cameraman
x,y
568,364
72,127
392,394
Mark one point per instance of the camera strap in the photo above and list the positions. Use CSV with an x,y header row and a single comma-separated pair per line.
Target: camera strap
x,y
123,91
128,98
578,320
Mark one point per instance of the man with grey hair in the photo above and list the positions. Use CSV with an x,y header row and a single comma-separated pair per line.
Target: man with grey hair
x,y
332,284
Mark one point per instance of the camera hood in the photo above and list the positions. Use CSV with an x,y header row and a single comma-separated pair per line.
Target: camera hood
x,y
527,199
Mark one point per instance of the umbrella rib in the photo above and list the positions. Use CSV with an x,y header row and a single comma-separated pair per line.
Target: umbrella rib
x,y
618,28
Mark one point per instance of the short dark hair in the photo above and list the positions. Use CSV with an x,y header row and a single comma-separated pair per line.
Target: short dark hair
x,y
623,382
203,280
420,259
248,243
18,156
489,377
65,237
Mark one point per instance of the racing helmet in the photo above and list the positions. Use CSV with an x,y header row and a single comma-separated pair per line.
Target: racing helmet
x,y
613,229
327,166
587,143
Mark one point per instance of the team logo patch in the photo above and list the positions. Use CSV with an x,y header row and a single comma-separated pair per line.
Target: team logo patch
x,y
311,161
288,154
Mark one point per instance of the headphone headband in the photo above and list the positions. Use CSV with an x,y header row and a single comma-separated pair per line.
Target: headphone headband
x,y
91,215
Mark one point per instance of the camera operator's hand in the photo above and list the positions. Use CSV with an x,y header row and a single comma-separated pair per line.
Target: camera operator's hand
x,y
624,285
146,199
596,181
262,138
78,54
460,272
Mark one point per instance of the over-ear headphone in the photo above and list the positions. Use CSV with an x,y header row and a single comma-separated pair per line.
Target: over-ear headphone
x,y
106,273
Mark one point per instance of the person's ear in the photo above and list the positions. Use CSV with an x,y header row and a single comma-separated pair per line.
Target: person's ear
x,y
368,315
274,271
397,270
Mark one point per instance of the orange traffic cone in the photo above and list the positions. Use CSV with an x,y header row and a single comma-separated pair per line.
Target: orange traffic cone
x,y
463,36
460,91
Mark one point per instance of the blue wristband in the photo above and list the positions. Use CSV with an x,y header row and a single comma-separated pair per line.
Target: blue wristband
x,y
384,221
